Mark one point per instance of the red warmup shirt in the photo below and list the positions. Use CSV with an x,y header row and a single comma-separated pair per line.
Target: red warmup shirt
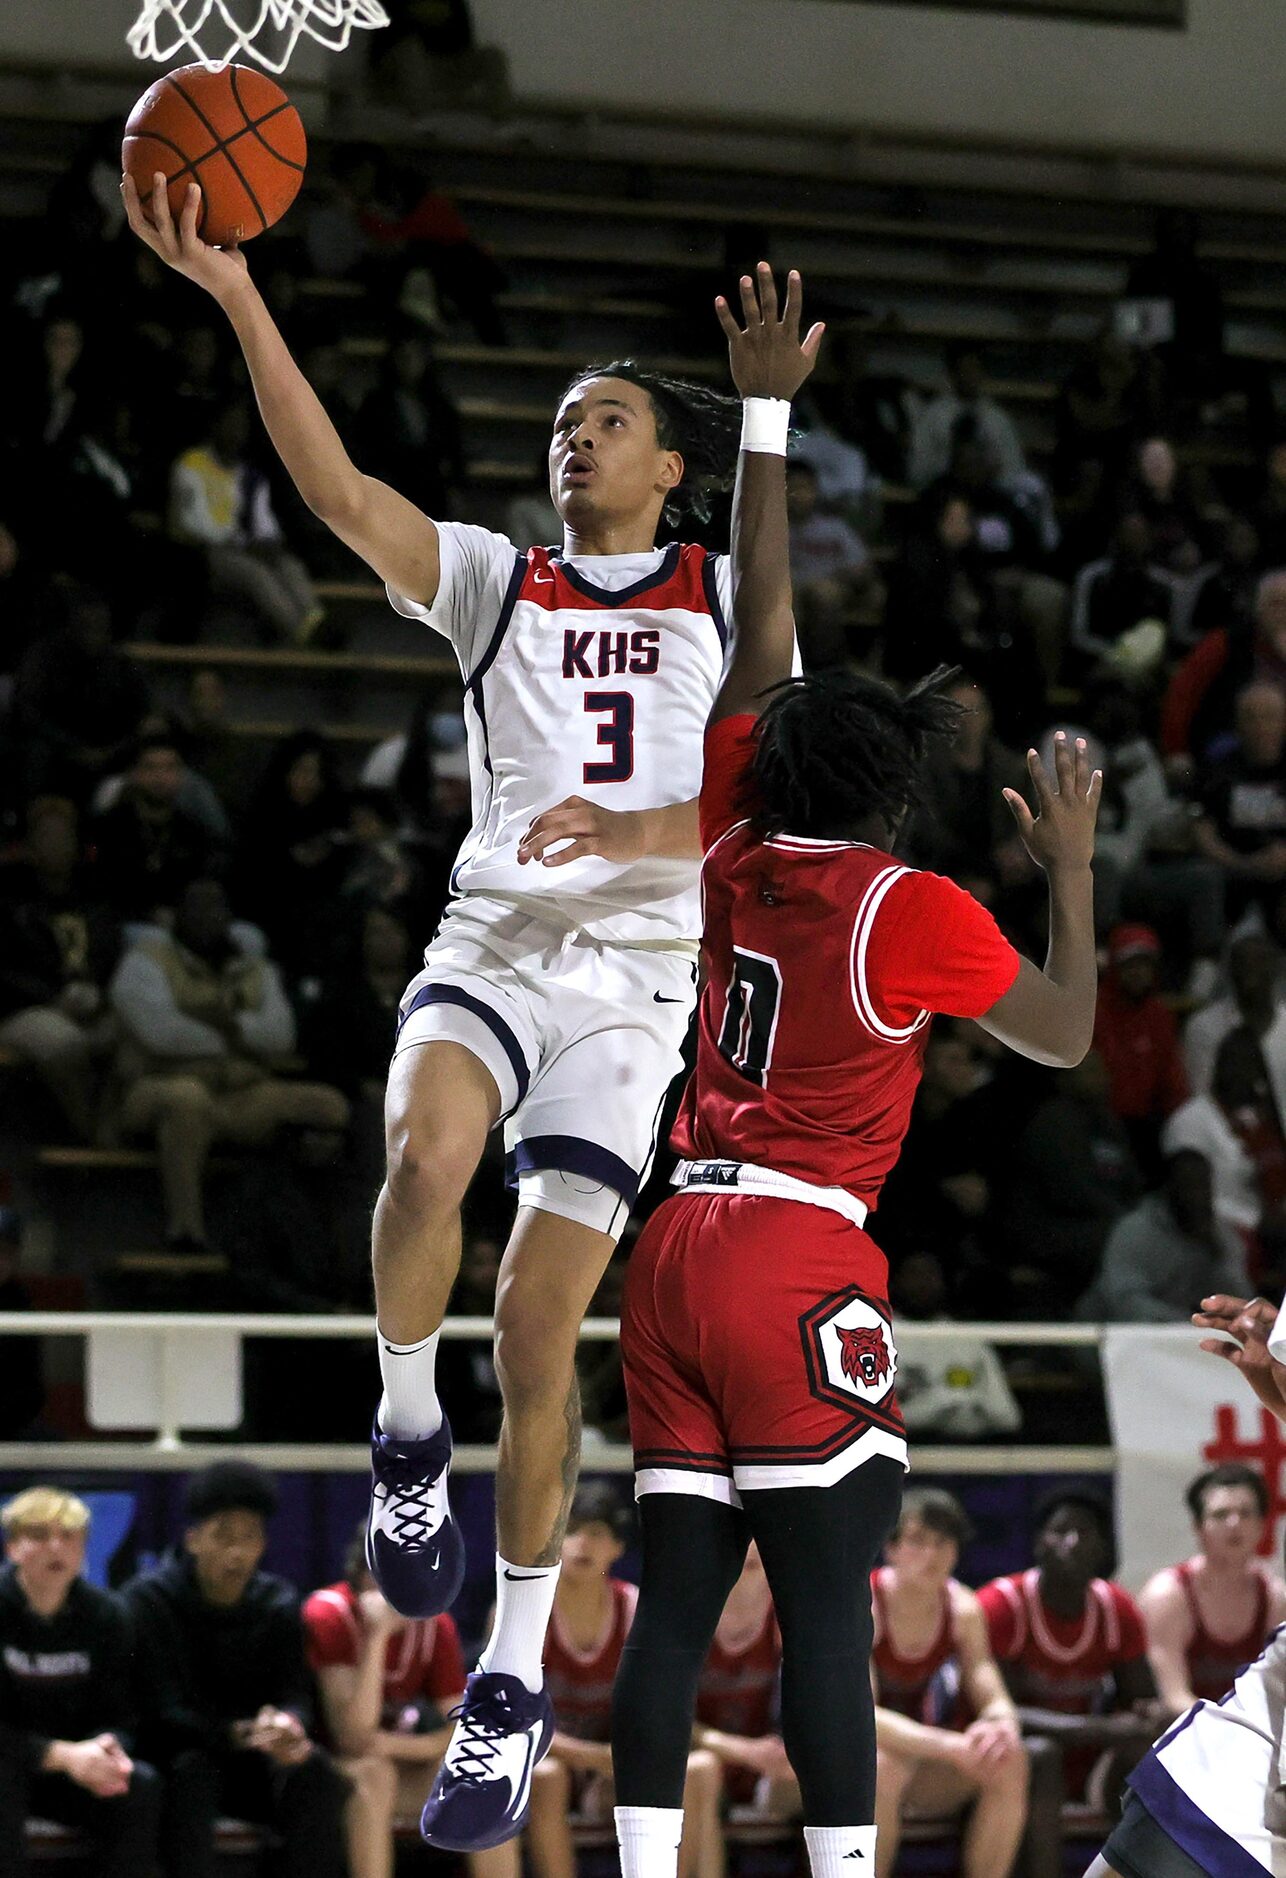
x,y
580,1681
423,1661
1214,1663
918,1686
1139,1045
1062,1663
737,1692
825,961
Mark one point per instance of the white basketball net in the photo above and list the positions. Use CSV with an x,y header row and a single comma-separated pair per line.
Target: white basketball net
x,y
211,29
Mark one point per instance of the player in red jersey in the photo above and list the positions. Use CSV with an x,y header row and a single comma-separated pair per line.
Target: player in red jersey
x,y
756,1338
737,1699
1211,1615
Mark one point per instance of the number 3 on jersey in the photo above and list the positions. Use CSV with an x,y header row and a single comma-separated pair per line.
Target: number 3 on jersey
x,y
617,734
750,1021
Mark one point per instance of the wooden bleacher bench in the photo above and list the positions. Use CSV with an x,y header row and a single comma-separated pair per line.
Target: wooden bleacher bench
x,y
551,359
257,730
48,1843
272,661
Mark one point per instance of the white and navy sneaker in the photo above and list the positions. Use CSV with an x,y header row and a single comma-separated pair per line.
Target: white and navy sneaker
x,y
483,1788
413,1546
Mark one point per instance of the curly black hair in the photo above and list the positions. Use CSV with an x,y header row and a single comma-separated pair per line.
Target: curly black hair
x,y
704,426
833,750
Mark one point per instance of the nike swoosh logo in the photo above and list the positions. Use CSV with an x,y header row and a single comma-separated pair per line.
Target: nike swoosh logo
x,y
543,579
658,999
523,1578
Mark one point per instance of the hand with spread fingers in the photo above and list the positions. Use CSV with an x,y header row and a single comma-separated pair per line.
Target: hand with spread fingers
x,y
587,828
221,271
1060,836
1249,1323
767,357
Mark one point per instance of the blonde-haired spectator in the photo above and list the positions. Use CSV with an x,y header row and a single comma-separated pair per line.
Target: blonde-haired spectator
x,y
66,1697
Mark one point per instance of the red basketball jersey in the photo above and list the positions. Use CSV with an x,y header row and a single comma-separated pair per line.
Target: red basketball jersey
x,y
915,1685
737,1693
1214,1663
1061,1663
423,1660
580,1681
824,962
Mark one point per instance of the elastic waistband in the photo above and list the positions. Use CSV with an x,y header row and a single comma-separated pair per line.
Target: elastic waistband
x,y
741,1177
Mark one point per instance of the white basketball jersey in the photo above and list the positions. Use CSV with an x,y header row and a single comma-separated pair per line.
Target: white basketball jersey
x,y
591,676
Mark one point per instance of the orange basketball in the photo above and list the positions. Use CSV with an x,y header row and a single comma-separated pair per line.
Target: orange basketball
x,y
233,131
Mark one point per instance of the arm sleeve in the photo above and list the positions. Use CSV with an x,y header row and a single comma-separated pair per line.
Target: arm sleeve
x,y
445,1675
330,1640
269,1029
729,747
474,569
140,996
926,945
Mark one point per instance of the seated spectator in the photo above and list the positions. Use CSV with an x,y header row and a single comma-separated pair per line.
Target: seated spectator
x,y
587,1631
68,1704
1126,590
1136,1036
968,834
1107,399
430,56
22,1387
224,1680
1200,705
387,1686
195,798
351,1026
946,1732
211,745
1256,998
148,846
289,864
377,868
1210,1616
822,547
871,409
1168,1252
956,1388
1243,799
1238,1130
198,390
737,1701
409,430
845,485
57,950
1163,495
935,424
78,703
1073,1648
1073,1177
220,502
205,1020
1222,593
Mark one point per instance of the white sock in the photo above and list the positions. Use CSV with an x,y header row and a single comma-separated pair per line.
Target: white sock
x,y
524,1600
649,1840
841,1851
409,1407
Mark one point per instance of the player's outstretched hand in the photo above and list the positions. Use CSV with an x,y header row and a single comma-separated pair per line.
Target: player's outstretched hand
x,y
587,828
767,357
1250,1321
219,270
1061,834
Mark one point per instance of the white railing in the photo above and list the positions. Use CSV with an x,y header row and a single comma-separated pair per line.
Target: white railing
x,y
174,1331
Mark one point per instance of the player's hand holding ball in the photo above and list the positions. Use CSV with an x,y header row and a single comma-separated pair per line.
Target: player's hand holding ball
x,y
221,271
768,359
1060,836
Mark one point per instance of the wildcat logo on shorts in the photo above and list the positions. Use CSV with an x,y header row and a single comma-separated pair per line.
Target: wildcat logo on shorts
x,y
849,1348
864,1355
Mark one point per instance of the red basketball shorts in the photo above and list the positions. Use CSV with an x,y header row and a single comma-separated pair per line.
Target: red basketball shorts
x,y
757,1347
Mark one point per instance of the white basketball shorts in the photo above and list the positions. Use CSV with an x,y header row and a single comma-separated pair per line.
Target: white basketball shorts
x,y
582,1039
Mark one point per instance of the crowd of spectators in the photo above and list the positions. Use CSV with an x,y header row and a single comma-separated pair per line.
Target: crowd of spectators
x,y
205,1688
202,942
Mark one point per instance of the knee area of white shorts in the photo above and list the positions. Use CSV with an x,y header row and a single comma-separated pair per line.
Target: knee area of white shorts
x,y
572,1196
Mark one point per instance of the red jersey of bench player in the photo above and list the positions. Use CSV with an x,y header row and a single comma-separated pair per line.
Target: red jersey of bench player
x,y
1214,1663
737,1694
1061,1663
580,1681
422,1663
917,1686
756,1336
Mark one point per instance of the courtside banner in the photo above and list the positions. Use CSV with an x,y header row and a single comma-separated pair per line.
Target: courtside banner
x,y
1174,1410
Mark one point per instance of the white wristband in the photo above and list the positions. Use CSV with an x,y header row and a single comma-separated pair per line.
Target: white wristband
x,y
765,425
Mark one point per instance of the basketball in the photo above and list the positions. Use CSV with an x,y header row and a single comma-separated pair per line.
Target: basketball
x,y
234,132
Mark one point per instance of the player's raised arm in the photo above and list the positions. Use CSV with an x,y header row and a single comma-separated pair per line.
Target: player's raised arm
x,y
1049,1015
397,540
769,364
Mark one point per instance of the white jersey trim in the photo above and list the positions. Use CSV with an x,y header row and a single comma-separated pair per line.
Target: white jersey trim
x,y
862,927
722,1176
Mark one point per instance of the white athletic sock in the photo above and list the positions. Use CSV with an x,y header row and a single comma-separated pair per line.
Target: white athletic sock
x,y
409,1406
649,1840
840,1851
524,1600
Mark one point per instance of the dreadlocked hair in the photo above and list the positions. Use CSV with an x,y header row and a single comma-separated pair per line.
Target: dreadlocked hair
x,y
834,750
704,426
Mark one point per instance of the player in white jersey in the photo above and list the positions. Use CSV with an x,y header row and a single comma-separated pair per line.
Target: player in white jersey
x,y
1209,1799
553,1001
